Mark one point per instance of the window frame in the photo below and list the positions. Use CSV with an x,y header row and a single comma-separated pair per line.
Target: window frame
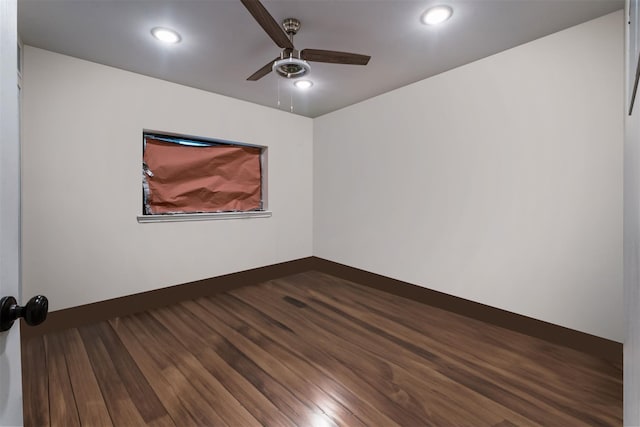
x,y
264,212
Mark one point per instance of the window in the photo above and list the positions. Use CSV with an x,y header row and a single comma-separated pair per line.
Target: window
x,y
188,177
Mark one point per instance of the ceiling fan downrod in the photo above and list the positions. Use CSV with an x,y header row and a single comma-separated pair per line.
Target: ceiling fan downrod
x,y
291,65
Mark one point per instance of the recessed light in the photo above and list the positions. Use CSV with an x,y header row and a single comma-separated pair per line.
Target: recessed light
x,y
166,35
436,15
303,84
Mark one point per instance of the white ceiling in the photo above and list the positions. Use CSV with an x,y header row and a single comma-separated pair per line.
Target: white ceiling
x,y
222,44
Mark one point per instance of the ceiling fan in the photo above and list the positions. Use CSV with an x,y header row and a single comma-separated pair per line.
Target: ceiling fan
x,y
292,63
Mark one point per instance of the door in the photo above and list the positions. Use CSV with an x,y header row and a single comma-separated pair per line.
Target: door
x,y
10,368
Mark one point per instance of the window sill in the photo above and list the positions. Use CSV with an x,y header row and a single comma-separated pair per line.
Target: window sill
x,y
203,216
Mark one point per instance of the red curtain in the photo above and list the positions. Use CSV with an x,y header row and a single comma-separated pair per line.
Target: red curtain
x,y
189,179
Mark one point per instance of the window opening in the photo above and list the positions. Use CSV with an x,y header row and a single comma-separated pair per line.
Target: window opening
x,y
182,175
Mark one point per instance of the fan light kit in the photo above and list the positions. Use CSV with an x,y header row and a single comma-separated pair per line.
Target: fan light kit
x,y
291,67
166,35
303,84
437,15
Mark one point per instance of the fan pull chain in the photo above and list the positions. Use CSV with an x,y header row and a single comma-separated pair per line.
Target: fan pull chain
x,y
278,93
290,97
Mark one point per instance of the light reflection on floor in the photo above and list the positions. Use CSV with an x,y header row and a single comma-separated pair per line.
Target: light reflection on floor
x,y
321,420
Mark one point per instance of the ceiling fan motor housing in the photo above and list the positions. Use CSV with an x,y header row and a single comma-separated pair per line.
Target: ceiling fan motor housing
x,y
291,26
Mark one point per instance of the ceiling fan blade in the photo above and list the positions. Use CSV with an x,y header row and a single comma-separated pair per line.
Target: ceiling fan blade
x,y
334,57
262,71
268,24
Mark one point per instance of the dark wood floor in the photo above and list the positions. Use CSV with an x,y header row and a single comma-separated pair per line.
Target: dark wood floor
x,y
311,350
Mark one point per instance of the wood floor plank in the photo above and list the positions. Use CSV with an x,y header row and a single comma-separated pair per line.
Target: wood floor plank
x,y
190,388
531,367
336,393
459,371
35,383
62,402
163,421
304,396
394,383
387,346
309,350
92,408
320,354
560,405
465,328
163,389
193,335
574,397
232,412
198,387
125,371
119,403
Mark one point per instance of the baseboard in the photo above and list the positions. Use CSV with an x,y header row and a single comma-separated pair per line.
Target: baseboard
x,y
122,306
581,341
103,310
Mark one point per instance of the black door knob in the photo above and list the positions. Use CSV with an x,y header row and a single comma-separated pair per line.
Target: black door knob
x,y
34,313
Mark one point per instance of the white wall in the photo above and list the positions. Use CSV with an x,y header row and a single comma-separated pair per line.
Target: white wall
x,y
82,154
499,182
632,260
